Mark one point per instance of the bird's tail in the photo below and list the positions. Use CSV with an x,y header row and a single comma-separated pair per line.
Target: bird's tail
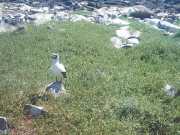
x,y
64,74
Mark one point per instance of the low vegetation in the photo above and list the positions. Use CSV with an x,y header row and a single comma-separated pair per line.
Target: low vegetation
x,y
111,91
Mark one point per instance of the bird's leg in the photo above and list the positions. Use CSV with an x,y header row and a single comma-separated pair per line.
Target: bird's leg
x,y
61,79
62,84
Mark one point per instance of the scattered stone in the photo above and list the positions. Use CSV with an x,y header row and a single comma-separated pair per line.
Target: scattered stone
x,y
136,34
163,25
133,40
24,7
41,18
170,90
3,125
162,15
56,88
34,111
7,28
118,21
102,19
58,8
168,26
30,17
41,12
76,17
141,12
108,15
123,33
62,16
36,10
117,42
152,21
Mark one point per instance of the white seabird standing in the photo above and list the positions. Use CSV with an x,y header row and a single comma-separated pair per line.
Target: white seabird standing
x,y
57,68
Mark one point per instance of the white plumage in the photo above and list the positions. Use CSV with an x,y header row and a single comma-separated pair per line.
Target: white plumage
x,y
57,68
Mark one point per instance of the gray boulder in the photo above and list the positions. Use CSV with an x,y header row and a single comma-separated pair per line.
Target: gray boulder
x,y
34,111
3,125
141,12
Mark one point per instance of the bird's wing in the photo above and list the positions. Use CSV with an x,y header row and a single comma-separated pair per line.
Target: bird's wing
x,y
52,70
61,67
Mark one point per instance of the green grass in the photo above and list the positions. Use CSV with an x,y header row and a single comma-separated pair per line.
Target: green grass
x,y
111,91
177,22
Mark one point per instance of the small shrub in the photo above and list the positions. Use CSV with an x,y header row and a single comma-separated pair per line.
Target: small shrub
x,y
128,108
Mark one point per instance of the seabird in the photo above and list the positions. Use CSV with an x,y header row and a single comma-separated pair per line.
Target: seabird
x,y
57,68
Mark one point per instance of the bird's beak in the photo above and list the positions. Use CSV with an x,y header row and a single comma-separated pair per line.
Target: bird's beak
x,y
64,74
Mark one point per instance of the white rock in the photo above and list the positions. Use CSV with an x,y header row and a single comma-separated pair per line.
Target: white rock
x,y
45,9
83,3
123,33
170,90
119,21
117,42
162,15
133,41
126,10
7,28
58,8
153,21
25,7
36,10
136,34
76,17
102,19
41,18
168,26
62,16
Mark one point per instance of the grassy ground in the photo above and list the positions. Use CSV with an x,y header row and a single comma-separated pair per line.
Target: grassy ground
x,y
111,91
177,22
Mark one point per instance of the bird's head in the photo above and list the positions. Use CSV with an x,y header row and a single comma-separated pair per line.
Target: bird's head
x,y
55,56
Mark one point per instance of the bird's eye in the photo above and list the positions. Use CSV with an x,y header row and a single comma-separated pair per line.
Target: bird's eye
x,y
54,56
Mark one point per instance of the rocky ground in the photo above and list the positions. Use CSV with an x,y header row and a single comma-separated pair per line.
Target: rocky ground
x,y
14,15
162,15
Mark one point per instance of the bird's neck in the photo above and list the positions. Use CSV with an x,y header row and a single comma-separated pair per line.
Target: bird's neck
x,y
55,61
